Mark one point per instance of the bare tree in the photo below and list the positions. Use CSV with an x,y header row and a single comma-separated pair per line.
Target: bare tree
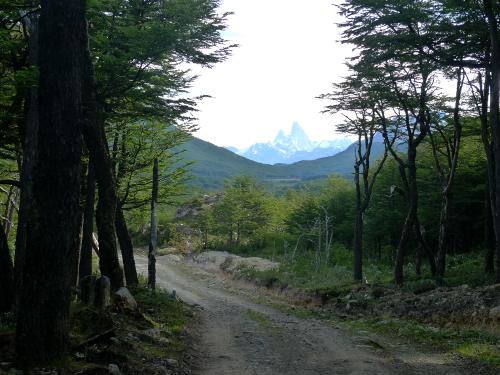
x,y
154,229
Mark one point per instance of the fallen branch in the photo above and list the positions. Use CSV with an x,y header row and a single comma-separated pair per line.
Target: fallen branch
x,y
106,335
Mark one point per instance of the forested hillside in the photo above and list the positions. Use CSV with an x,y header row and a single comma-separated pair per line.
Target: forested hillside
x,y
213,165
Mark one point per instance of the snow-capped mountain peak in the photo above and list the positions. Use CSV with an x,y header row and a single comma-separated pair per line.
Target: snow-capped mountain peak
x,y
293,147
297,140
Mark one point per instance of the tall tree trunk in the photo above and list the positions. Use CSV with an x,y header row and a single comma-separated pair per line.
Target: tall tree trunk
x,y
29,156
401,249
495,117
358,231
95,140
154,229
85,268
420,235
6,275
411,222
126,247
444,223
489,236
43,313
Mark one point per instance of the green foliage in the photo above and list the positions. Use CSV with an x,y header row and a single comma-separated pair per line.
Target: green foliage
x,y
387,211
242,211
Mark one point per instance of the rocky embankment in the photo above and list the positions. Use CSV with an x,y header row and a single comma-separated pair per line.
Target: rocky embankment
x,y
427,303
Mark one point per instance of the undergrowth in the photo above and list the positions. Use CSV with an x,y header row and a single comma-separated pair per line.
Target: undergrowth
x,y
304,271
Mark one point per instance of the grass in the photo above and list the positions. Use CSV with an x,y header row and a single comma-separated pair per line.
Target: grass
x,y
335,278
261,319
484,352
469,343
167,312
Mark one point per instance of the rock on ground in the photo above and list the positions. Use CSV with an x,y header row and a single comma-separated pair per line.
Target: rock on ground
x,y
219,260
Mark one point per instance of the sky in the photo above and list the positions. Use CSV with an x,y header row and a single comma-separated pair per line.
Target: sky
x,y
289,53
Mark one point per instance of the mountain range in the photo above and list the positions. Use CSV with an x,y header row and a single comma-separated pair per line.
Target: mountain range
x,y
213,165
291,148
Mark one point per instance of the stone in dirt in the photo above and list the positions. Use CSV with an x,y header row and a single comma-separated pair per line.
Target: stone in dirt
x,y
124,295
495,313
114,369
218,260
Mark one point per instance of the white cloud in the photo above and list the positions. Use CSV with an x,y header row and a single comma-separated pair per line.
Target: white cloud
x,y
289,53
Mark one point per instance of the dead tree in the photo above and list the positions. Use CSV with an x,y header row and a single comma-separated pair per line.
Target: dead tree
x,y
154,229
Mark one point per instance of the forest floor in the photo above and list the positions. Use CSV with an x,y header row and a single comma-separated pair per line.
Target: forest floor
x,y
243,329
121,339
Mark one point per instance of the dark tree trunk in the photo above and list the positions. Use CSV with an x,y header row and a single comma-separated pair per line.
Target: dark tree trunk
x,y
412,197
424,247
85,268
154,233
126,247
95,140
29,157
495,119
6,275
358,246
401,249
489,236
43,312
444,223
358,230
411,222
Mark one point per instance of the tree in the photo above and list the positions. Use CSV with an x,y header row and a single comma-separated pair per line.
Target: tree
x,y
154,229
6,275
142,42
359,105
43,312
492,11
391,38
242,211
450,149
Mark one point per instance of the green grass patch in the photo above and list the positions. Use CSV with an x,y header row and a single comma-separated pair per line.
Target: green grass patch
x,y
485,352
261,319
164,310
469,343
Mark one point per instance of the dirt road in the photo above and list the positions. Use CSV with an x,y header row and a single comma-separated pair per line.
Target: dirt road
x,y
240,337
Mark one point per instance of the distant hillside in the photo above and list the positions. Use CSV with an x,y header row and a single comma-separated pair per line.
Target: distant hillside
x,y
213,165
